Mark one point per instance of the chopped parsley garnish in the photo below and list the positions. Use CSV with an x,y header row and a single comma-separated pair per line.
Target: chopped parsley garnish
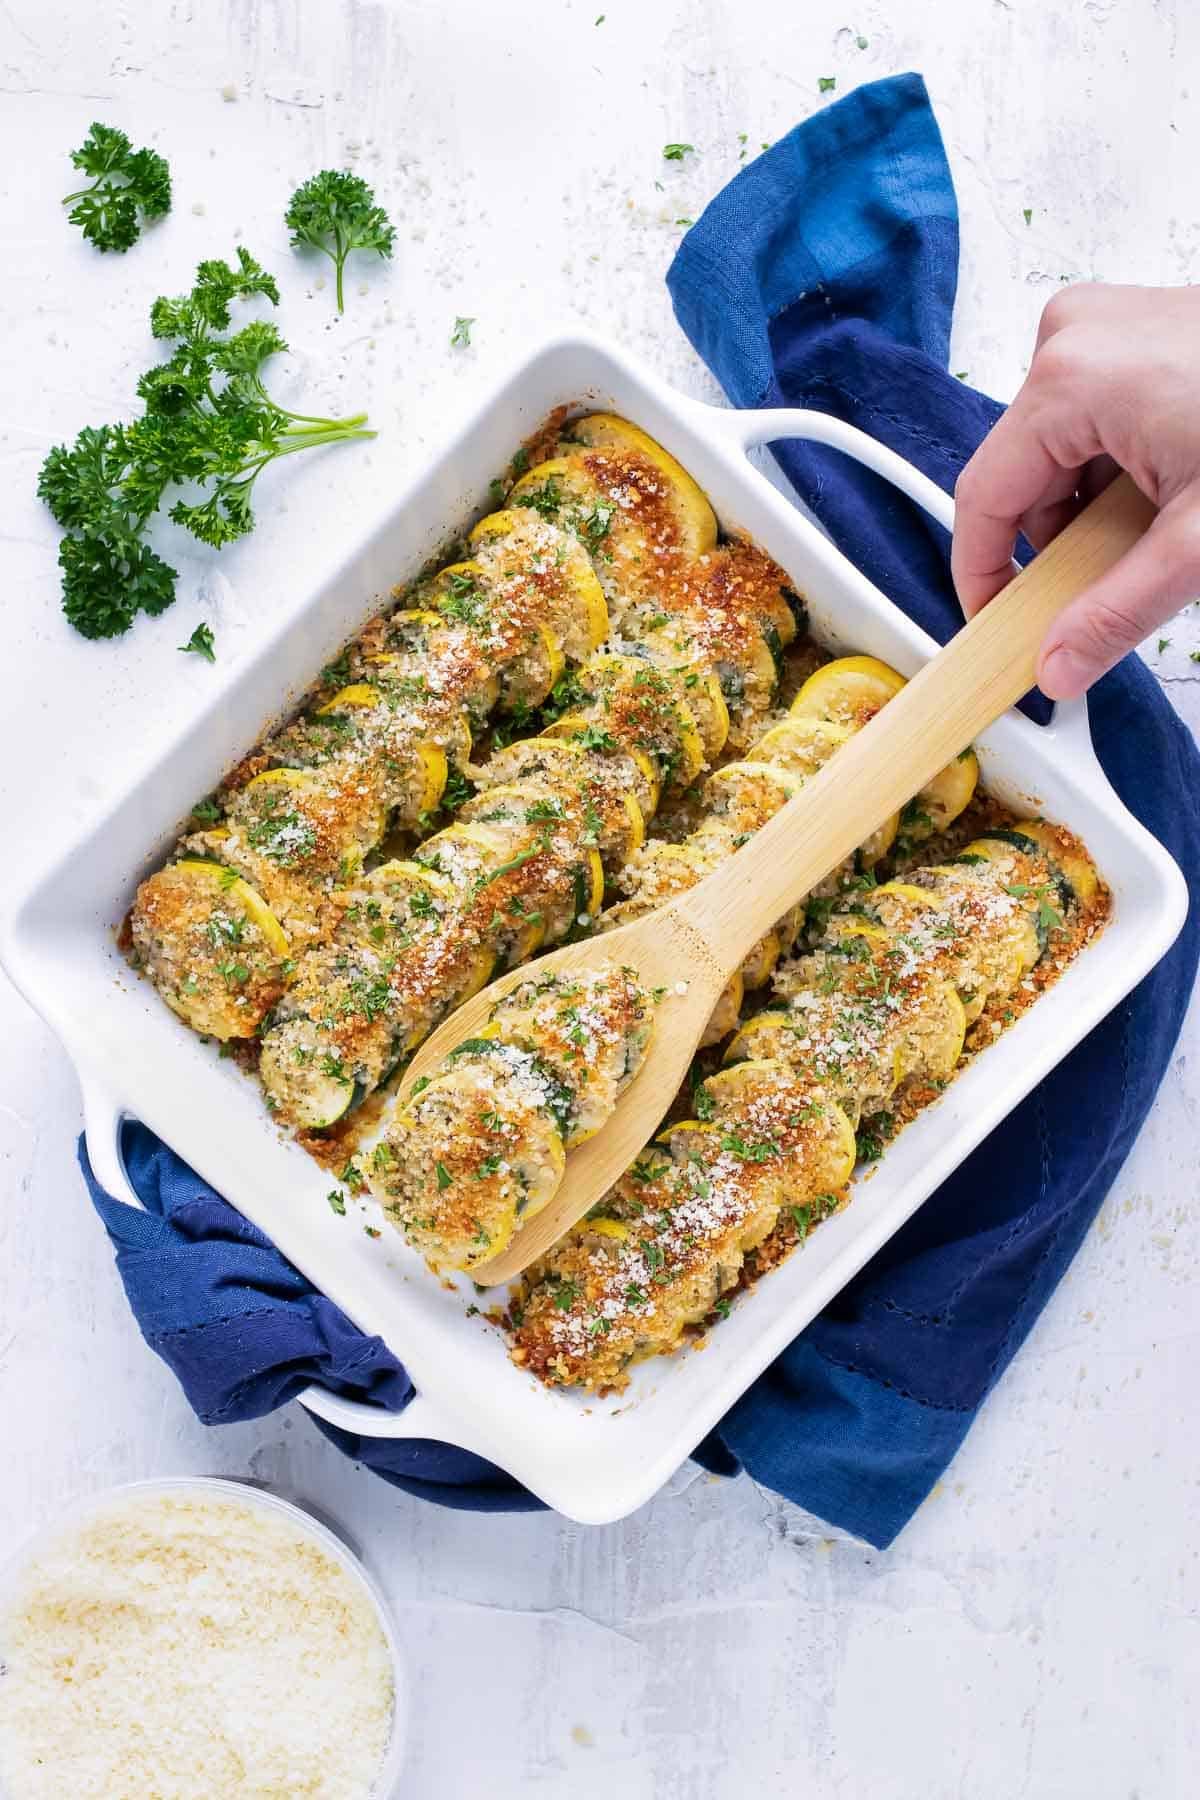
x,y
594,737
759,1152
444,1179
201,643
597,522
565,1295
285,837
826,84
546,500
871,1141
460,337
543,810
457,791
677,152
337,1202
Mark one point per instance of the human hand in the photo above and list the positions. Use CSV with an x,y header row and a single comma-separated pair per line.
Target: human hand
x,y
1114,384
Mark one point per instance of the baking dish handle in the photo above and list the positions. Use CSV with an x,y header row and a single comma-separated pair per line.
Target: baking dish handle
x,y
102,1120
767,425
1069,728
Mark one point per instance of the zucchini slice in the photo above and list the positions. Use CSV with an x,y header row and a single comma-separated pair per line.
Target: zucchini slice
x,y
393,905
694,516
639,705
515,545
750,793
237,892
669,647
725,1012
306,1081
758,965
1070,862
801,745
465,1161
527,680
768,1036
848,691
592,1032
358,694
212,946
950,791
587,735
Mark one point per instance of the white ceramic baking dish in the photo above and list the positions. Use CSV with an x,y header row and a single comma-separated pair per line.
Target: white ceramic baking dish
x,y
595,1460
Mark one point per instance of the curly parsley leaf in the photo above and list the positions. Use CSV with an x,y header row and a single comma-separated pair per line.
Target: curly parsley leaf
x,y
106,584
336,212
127,183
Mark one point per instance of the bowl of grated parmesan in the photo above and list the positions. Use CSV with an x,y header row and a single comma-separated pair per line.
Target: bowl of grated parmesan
x,y
190,1638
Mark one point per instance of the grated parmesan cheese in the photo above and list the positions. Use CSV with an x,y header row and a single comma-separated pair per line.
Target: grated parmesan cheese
x,y
182,1646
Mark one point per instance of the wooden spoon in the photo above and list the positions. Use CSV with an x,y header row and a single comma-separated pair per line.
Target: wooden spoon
x,y
691,947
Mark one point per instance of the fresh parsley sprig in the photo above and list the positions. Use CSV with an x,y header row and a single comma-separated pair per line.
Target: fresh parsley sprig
x,y
336,212
127,182
209,423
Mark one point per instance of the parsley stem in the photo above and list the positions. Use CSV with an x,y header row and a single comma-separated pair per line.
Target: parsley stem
x,y
340,254
305,440
318,418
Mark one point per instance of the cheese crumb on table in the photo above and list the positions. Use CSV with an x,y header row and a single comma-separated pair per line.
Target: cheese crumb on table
x,y
188,1645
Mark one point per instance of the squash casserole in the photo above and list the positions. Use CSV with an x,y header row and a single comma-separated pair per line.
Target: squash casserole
x,y
590,705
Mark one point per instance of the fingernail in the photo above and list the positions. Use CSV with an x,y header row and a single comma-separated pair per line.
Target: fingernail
x,y
1063,675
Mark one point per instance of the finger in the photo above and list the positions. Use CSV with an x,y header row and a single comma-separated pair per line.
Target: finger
x,y
1142,590
1095,476
1047,517
1045,520
1109,302
1010,474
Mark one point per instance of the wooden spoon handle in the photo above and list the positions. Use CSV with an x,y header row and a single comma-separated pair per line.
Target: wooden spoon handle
x,y
983,670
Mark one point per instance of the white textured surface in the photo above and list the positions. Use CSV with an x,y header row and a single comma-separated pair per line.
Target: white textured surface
x,y
1033,1636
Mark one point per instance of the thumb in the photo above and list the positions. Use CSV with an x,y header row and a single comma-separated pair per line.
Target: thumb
x,y
1151,581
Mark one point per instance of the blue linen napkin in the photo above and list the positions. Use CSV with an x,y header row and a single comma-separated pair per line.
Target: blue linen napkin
x,y
824,276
